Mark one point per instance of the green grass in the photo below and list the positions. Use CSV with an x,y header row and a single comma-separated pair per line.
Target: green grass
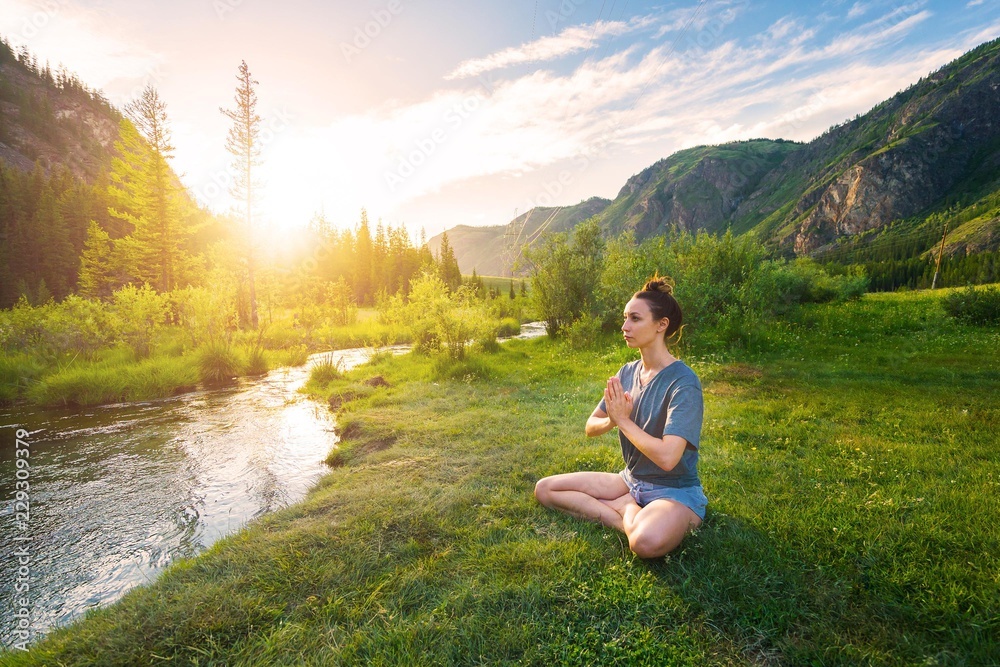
x,y
852,477
92,383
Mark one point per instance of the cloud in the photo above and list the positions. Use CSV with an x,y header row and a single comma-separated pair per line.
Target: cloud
x,y
856,10
974,3
573,39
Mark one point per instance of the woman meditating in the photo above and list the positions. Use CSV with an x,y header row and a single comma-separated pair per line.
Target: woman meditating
x,y
656,403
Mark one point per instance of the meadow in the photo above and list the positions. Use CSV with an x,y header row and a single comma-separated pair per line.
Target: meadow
x,y
850,463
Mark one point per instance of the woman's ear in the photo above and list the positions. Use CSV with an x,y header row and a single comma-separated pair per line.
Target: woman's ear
x,y
664,323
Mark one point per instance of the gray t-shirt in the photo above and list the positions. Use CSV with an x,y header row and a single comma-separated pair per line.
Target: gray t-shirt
x,y
670,404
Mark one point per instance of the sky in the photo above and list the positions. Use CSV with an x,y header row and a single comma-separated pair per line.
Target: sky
x,y
435,113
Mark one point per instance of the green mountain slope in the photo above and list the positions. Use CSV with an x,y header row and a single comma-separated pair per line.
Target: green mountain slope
x,y
492,250
53,119
928,155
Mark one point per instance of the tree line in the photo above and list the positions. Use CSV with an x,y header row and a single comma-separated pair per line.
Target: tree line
x,y
135,223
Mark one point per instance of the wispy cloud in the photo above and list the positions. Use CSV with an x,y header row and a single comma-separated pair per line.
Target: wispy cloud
x,y
974,3
781,84
573,39
857,9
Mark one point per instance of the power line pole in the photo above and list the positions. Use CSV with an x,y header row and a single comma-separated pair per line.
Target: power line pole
x,y
937,266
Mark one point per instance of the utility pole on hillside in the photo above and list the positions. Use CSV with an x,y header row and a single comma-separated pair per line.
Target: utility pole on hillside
x,y
937,266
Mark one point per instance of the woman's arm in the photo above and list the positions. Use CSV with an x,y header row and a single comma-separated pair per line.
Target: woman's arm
x,y
665,452
598,423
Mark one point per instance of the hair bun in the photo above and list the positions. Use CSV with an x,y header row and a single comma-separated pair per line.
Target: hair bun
x,y
658,285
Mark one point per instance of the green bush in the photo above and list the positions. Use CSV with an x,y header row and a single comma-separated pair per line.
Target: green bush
x,y
584,333
818,286
218,364
974,306
509,326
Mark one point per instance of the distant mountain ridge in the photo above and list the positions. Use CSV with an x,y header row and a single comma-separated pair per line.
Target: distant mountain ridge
x,y
491,251
927,156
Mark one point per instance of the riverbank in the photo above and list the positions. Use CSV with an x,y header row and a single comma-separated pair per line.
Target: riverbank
x,y
175,365
852,477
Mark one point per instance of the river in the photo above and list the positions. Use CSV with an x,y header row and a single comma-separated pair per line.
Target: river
x,y
119,491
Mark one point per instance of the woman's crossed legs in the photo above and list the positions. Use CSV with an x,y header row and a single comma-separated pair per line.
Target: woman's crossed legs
x,y
653,530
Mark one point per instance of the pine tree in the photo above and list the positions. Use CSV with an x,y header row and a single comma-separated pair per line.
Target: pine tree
x,y
96,279
363,261
242,144
145,193
449,271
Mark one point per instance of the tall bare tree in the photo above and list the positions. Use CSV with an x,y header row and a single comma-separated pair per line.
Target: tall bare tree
x,y
243,143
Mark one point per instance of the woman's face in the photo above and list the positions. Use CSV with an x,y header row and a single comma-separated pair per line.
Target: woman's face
x,y
640,329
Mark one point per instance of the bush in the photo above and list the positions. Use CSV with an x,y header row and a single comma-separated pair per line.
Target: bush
x,y
974,306
218,364
818,286
509,326
141,312
584,333
565,273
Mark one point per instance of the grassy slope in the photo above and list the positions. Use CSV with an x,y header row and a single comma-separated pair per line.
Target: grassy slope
x,y
853,482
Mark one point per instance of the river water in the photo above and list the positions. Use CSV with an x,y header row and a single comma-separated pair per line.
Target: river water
x,y
119,491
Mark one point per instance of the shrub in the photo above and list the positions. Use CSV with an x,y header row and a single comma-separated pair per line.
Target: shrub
x,y
208,315
509,326
141,311
974,306
565,273
584,333
818,286
218,364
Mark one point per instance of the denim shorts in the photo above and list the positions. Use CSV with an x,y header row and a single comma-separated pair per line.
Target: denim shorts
x,y
644,493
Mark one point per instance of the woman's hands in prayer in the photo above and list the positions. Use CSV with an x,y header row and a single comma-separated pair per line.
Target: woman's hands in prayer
x,y
617,401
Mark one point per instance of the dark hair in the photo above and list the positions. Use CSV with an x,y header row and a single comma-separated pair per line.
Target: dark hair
x,y
658,293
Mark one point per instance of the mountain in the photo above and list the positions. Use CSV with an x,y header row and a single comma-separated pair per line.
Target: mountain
x,y
52,119
491,250
928,155
57,143
882,185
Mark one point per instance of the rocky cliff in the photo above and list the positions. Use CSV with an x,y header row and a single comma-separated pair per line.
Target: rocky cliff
x,y
53,119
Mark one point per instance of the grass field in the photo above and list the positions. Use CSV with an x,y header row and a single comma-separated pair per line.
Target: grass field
x,y
853,480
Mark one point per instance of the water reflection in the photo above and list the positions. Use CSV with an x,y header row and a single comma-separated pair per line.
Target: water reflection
x,y
118,491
